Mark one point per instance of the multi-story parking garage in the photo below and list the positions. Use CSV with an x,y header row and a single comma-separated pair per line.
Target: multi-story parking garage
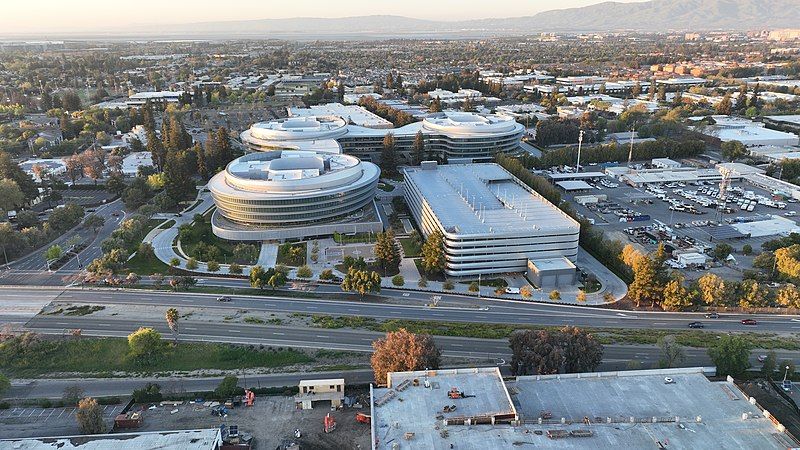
x,y
491,222
448,136
278,195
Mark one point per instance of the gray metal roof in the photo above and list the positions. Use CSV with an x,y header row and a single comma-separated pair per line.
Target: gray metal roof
x,y
485,199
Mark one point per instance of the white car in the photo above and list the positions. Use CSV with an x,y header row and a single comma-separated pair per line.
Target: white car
x,y
790,214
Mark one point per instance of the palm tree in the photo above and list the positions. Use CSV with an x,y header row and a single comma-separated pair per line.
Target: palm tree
x,y
172,317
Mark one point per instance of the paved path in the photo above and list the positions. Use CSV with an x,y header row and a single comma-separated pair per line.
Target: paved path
x,y
268,256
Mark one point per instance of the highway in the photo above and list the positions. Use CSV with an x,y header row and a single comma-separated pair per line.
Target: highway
x,y
470,309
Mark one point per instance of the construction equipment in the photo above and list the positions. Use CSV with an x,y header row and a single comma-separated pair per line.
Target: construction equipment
x,y
449,408
249,397
546,415
455,393
363,418
329,423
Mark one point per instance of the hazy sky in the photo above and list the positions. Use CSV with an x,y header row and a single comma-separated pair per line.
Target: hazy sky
x,y
32,16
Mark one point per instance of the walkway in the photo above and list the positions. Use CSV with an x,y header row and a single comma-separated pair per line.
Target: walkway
x,y
268,256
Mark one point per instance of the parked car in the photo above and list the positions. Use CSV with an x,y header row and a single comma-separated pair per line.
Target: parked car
x,y
696,325
223,298
712,315
749,322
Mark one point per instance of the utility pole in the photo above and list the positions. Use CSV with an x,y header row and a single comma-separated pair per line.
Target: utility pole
x,y
580,141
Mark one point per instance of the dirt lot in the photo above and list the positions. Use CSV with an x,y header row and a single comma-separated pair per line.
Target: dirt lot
x,y
270,421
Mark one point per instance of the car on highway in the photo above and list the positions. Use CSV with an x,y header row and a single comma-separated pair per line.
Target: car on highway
x,y
712,315
696,325
749,322
223,298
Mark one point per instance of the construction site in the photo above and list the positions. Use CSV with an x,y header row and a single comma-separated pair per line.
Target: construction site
x,y
476,409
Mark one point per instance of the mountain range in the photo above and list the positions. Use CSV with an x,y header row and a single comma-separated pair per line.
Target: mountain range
x,y
648,16
653,16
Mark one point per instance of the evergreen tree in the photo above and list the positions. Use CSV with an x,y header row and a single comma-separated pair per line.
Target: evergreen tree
x,y
386,251
436,105
224,149
388,155
200,156
47,101
725,106
148,118
179,168
157,150
741,101
433,258
418,149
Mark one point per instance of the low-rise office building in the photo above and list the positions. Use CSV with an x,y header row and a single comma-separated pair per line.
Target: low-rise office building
x,y
448,136
491,222
280,195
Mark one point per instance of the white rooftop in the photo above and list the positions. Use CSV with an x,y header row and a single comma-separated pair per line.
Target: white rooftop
x,y
777,226
291,165
207,439
485,199
574,185
352,113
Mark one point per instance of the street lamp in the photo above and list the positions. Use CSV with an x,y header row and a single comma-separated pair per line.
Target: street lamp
x,y
785,374
580,141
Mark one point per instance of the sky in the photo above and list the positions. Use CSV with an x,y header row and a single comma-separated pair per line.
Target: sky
x,y
34,16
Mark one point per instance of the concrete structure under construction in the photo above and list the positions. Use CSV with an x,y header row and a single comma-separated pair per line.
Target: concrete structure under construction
x,y
280,195
310,391
669,408
447,136
205,439
491,222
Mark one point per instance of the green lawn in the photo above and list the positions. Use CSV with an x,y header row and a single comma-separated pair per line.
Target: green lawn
x,y
410,248
438,276
207,237
289,256
106,355
143,266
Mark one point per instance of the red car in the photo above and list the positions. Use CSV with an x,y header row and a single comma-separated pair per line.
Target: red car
x,y
749,322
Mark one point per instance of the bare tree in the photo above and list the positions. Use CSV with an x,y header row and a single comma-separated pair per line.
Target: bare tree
x,y
672,353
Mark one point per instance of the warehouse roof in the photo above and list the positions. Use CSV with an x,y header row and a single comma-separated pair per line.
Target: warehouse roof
x,y
205,439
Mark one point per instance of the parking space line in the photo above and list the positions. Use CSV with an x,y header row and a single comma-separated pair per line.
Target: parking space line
x,y
42,413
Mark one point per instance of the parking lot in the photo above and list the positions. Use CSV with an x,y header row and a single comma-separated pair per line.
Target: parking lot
x,y
687,216
35,421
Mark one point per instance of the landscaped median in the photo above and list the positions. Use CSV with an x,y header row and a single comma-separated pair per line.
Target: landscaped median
x,y
606,336
31,355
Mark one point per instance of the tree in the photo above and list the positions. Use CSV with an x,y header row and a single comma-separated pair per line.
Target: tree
x,y
212,266
754,295
712,289
172,317
145,344
228,387
433,258
581,297
788,296
645,285
555,295
386,251
53,252
115,182
436,105
672,354
304,271
388,155
474,287
150,393
235,268
174,261
448,285
94,222
535,352
5,384
731,355
722,251
582,352
747,249
361,281
733,150
179,169
725,106
402,351
90,417
769,365
676,297
418,149
11,196
526,291
398,280
191,264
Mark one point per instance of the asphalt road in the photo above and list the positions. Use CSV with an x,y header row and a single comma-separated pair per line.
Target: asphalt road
x,y
473,310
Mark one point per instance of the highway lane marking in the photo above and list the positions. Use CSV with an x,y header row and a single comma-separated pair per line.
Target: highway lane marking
x,y
62,323
190,328
279,334
234,331
659,323
323,337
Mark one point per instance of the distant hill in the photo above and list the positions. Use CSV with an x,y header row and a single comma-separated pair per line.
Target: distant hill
x,y
661,15
654,16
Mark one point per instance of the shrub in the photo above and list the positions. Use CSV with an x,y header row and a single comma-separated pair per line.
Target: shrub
x,y
398,280
326,274
555,295
448,285
191,264
228,387
235,268
304,272
474,287
423,283
213,266
150,393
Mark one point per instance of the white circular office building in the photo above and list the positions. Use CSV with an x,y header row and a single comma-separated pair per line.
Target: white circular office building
x,y
448,136
280,195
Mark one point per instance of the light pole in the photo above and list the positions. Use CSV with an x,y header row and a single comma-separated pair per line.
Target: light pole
x,y
785,374
580,141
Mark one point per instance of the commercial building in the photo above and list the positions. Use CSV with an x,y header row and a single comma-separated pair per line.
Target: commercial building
x,y
747,132
279,195
491,222
352,114
206,439
668,408
141,98
448,135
